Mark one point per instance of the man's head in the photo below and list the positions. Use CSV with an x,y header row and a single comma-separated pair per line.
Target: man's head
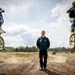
x,y
73,3
43,33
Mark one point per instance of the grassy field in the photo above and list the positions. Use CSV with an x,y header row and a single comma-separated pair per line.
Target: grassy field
x,y
25,63
24,57
17,57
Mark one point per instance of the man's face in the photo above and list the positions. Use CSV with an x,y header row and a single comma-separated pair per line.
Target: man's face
x,y
43,33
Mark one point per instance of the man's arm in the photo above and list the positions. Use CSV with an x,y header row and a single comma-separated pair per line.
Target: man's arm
x,y
71,9
48,42
68,11
1,18
38,43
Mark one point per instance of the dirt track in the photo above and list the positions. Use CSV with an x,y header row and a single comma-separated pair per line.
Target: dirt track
x,y
55,67
32,69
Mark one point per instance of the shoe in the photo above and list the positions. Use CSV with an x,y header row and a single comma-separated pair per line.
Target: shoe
x,y
45,69
41,69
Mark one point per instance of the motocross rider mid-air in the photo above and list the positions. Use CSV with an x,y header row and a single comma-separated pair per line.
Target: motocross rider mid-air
x,y
1,19
71,13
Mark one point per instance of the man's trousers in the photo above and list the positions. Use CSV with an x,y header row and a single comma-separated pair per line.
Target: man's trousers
x,y
43,58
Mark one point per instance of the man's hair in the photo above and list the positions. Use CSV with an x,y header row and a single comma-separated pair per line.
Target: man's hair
x,y
43,31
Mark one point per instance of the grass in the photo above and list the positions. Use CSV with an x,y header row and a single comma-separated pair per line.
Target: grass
x,y
71,57
17,57
24,57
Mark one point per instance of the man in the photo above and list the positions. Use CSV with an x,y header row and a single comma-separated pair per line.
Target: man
x,y
1,20
1,17
43,44
71,13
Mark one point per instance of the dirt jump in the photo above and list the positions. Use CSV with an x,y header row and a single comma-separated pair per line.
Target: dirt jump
x,y
27,64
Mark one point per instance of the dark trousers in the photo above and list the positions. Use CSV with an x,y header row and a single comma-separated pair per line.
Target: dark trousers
x,y
43,59
0,24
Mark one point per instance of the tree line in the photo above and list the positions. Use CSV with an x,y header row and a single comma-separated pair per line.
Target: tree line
x,y
35,49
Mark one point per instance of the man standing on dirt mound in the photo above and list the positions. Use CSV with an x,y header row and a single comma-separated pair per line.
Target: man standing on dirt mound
x,y
43,44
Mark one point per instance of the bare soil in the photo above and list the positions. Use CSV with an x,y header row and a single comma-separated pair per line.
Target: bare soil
x,y
17,65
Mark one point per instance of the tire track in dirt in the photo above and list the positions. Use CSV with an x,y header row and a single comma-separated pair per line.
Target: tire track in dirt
x,y
16,69
26,71
32,68
62,69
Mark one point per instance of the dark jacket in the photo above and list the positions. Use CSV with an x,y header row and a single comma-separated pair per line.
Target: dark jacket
x,y
1,19
71,12
43,43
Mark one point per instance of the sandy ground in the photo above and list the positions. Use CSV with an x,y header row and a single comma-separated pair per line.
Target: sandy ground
x,y
29,65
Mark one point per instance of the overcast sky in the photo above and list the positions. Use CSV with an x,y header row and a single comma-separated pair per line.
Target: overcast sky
x,y
24,20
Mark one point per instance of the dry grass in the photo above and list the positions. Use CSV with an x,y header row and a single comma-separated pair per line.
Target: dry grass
x,y
20,63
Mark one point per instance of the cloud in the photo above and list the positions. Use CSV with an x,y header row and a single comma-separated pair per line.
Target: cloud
x,y
25,39
20,35
59,28
13,2
25,19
